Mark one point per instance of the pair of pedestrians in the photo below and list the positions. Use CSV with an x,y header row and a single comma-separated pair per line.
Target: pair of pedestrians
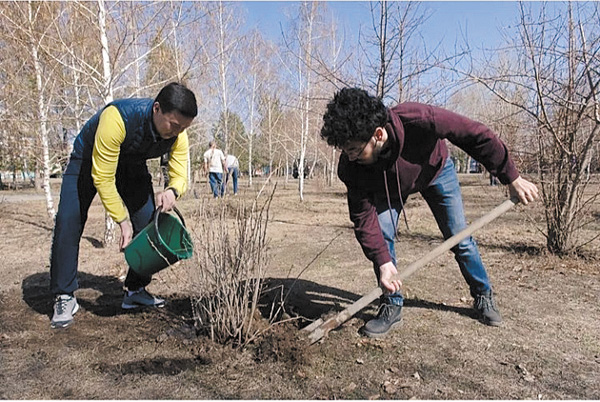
x,y
220,169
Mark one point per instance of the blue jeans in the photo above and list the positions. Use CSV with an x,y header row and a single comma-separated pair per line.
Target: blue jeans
x,y
234,173
216,184
134,185
445,201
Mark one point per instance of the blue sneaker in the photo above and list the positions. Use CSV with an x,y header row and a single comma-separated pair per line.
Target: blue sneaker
x,y
65,306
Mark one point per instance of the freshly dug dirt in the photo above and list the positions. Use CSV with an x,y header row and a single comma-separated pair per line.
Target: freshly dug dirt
x,y
548,347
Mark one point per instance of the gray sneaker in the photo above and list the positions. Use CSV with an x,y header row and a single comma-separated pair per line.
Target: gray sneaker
x,y
141,298
65,306
485,305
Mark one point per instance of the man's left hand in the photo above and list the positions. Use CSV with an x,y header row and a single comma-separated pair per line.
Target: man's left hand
x,y
166,200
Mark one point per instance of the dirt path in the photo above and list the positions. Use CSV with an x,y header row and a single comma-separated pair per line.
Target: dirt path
x,y
548,348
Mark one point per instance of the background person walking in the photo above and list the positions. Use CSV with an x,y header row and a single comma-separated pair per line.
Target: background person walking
x,y
214,164
233,171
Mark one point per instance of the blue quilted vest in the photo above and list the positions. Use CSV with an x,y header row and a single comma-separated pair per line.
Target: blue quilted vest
x,y
141,142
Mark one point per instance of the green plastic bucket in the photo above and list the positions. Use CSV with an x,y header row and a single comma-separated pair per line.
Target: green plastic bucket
x,y
160,244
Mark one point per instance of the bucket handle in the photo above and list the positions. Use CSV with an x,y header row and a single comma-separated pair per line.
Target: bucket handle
x,y
157,213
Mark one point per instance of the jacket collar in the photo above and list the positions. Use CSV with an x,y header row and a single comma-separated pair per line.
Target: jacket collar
x,y
395,132
150,123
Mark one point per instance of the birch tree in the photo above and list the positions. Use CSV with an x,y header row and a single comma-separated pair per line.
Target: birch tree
x,y
107,97
331,68
301,47
29,22
221,48
255,77
110,72
271,125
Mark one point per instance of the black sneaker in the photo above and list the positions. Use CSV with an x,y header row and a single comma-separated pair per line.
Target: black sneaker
x,y
388,317
485,305
141,298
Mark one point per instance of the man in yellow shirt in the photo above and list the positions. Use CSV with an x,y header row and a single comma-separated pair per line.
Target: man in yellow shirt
x,y
109,157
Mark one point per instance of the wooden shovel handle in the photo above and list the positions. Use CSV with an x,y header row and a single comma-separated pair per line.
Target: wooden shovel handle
x,y
319,328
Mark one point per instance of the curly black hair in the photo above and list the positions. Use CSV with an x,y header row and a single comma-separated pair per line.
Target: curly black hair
x,y
352,115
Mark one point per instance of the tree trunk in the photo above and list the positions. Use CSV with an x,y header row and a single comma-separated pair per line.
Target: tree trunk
x,y
383,22
109,224
307,62
43,116
332,166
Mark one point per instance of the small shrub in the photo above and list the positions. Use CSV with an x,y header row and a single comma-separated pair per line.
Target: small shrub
x,y
231,256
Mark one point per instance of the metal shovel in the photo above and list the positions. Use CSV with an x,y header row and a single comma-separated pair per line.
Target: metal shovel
x,y
319,329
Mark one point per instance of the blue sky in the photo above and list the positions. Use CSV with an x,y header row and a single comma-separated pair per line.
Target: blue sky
x,y
449,20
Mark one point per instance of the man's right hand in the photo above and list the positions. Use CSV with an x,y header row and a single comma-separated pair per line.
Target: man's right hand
x,y
126,234
386,273
525,190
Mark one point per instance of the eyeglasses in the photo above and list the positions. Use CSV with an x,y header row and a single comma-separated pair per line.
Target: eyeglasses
x,y
353,153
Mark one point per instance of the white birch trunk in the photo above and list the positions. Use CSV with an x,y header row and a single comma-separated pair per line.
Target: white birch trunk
x,y
109,228
223,79
251,132
301,158
77,105
306,107
270,135
332,166
176,49
43,116
255,71
287,168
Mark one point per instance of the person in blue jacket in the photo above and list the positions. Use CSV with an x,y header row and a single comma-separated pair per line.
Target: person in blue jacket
x,y
109,158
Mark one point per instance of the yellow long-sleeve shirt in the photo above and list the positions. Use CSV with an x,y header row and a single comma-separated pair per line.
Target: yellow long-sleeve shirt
x,y
110,134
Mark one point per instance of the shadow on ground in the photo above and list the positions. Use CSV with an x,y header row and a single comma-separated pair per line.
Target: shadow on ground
x,y
313,301
99,295
102,296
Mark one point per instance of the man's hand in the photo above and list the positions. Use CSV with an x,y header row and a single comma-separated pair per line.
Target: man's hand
x,y
166,200
386,272
525,190
126,234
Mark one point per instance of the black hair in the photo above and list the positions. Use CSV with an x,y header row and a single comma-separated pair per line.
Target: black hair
x,y
177,97
352,115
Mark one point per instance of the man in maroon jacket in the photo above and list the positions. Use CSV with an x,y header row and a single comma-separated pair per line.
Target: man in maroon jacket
x,y
388,154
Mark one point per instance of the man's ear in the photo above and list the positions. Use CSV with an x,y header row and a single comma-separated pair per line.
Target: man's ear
x,y
380,134
156,107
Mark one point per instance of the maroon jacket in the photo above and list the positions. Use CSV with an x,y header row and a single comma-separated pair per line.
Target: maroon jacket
x,y
417,154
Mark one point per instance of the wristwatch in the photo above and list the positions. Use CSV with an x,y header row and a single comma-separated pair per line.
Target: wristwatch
x,y
174,192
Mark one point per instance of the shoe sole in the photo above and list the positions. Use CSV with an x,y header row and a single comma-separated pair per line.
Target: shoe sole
x,y
491,323
64,324
126,306
375,335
